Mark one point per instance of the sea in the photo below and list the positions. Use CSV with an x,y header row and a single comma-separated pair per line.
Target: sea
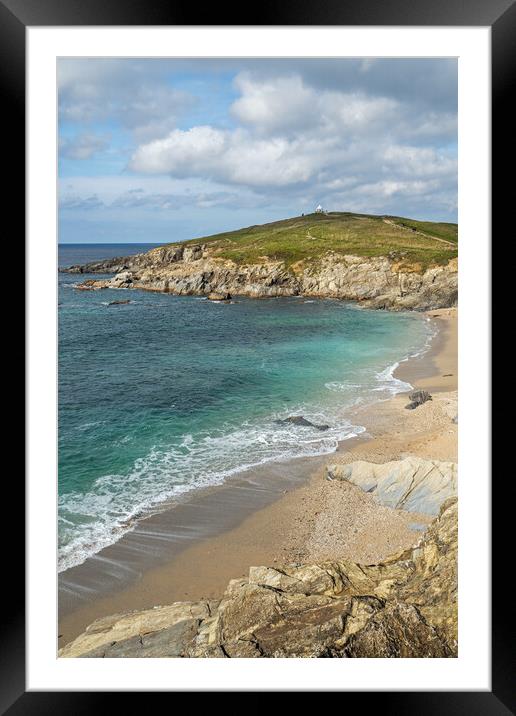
x,y
169,394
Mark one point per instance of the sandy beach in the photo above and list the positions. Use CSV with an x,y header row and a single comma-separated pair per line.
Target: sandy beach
x,y
293,515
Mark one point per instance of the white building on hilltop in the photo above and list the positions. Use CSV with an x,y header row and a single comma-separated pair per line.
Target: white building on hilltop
x,y
319,209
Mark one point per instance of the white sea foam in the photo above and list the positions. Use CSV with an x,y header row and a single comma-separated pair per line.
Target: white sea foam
x,y
115,502
342,387
389,383
386,377
89,522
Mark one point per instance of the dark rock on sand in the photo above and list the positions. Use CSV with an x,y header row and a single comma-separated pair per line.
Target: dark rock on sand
x,y
300,420
418,397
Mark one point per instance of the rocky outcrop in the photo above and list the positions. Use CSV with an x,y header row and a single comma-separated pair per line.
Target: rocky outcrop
x,y
412,484
405,606
302,421
162,631
195,269
219,297
159,257
417,398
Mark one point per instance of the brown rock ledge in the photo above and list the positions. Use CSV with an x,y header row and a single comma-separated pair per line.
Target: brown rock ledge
x,y
405,606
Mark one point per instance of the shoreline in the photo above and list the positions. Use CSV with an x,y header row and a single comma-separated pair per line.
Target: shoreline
x,y
436,369
285,513
85,546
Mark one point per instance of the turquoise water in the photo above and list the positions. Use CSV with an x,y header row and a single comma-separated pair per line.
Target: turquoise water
x,y
167,394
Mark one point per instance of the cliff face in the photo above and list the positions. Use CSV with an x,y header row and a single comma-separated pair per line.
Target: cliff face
x,y
405,606
377,282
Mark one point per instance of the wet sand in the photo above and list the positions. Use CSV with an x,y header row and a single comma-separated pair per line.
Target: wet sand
x,y
436,370
278,514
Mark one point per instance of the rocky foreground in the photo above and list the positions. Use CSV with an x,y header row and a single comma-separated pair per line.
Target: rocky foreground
x,y
196,269
405,606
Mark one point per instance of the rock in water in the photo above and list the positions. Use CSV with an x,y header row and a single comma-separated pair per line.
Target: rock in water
x,y
118,303
300,420
418,397
214,296
88,285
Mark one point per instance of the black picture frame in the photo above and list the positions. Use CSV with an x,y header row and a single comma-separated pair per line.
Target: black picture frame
x,y
500,15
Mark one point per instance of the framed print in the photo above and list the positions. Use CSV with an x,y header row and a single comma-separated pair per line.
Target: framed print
x,y
258,424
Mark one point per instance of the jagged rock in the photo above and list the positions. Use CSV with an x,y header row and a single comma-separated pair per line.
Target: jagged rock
x,y
120,634
412,484
300,420
398,630
123,279
405,606
377,282
89,285
114,265
418,397
166,643
192,253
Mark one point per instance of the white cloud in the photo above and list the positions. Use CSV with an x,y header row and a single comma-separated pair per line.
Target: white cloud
x,y
286,104
237,157
181,152
73,201
389,187
419,161
131,92
372,135
294,134
153,193
275,104
82,146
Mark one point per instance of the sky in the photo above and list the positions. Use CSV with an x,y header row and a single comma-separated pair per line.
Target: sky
x,y
158,150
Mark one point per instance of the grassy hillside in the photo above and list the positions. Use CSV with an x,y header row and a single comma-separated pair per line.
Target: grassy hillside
x,y
432,228
311,236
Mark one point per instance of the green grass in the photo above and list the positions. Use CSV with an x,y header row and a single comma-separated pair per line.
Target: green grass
x,y
441,230
308,238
